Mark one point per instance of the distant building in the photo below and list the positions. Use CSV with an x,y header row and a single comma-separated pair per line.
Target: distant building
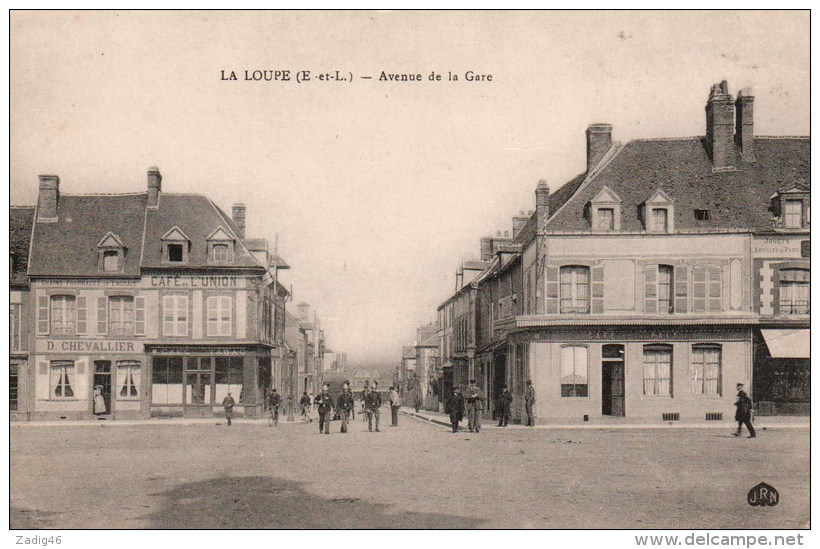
x,y
21,221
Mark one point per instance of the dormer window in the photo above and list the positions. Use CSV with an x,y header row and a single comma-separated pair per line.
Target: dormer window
x,y
175,246
605,211
111,254
220,246
791,207
659,213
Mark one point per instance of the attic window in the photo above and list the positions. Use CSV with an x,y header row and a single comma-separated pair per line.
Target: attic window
x,y
175,253
791,206
111,260
111,254
659,213
605,210
702,215
220,246
175,246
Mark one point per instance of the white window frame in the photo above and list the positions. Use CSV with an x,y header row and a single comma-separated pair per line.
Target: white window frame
x,y
219,315
128,371
575,287
62,382
662,271
220,246
699,369
60,303
657,384
654,225
579,359
122,309
788,217
175,317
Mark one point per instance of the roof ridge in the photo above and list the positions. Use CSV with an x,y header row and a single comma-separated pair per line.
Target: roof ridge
x,y
643,139
103,194
802,137
12,207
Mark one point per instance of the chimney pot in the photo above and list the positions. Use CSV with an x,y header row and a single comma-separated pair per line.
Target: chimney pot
x,y
238,215
542,206
48,198
744,124
154,187
487,248
599,139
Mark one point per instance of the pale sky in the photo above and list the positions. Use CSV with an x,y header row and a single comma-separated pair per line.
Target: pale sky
x,y
377,190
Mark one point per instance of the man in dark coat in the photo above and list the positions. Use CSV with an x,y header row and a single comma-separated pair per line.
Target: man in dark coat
x,y
455,407
504,405
324,405
372,402
474,406
304,402
743,414
344,405
228,403
273,406
529,402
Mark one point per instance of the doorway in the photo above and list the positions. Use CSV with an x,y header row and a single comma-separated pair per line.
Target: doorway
x,y
101,395
612,381
499,377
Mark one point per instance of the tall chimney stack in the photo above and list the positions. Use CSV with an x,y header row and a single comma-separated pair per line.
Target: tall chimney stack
x,y
542,206
599,139
487,248
720,121
744,124
48,198
238,215
518,223
154,187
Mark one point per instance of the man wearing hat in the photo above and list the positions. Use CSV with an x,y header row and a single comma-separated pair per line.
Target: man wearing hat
x,y
743,414
228,403
455,407
324,405
529,402
395,404
504,403
344,405
372,402
474,406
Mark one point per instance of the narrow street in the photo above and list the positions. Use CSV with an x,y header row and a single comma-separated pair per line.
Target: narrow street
x,y
418,475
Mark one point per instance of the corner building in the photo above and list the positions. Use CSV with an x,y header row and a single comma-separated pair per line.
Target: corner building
x,y
150,300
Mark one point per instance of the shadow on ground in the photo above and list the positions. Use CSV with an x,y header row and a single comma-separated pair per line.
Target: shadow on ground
x,y
262,502
32,519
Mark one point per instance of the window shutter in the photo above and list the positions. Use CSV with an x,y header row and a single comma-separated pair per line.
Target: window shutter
x,y
714,289
552,291
102,315
80,371
82,315
42,315
681,289
139,315
699,289
597,290
650,289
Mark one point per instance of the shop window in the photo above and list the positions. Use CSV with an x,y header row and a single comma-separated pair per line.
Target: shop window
x,y
63,314
13,379
62,377
121,315
219,315
574,289
175,315
794,297
706,370
166,380
128,379
574,371
229,376
657,370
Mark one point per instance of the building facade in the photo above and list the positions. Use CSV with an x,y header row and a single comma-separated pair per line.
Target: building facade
x,y
21,220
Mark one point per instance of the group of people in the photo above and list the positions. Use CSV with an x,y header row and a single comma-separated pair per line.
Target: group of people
x,y
327,407
457,406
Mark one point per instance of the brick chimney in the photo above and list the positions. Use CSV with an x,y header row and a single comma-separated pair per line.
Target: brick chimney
x,y
744,124
518,223
542,206
48,198
599,139
720,121
238,215
487,248
154,187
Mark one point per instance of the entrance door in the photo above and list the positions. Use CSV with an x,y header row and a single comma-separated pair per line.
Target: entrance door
x,y
198,388
101,395
612,381
499,377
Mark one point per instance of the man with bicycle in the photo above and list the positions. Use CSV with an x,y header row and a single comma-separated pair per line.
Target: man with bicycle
x,y
273,405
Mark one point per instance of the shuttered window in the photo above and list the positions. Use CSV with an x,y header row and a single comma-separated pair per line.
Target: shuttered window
x,y
575,294
175,315
64,314
220,314
121,315
666,283
707,288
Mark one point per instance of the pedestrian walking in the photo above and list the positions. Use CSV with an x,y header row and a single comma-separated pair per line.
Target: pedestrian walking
x,y
372,403
743,414
504,404
475,407
228,403
529,402
395,403
455,407
305,403
324,405
273,406
344,405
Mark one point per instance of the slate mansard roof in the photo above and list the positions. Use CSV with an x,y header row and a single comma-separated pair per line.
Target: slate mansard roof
x,y
681,168
21,219
69,246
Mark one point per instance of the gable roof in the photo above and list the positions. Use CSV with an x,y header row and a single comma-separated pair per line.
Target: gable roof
x,y
681,168
21,219
110,240
197,218
68,247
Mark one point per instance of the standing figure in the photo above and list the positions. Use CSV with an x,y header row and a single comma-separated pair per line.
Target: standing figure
x,y
344,405
475,407
743,414
372,403
305,403
455,407
504,404
529,402
228,403
395,403
99,401
273,405
324,405
417,402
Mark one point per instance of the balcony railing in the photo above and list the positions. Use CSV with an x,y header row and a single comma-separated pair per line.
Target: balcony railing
x,y
795,307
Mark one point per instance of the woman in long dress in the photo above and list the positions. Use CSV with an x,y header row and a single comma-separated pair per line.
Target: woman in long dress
x,y
99,401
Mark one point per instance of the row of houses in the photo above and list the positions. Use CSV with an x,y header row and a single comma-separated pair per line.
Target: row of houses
x,y
648,286
147,304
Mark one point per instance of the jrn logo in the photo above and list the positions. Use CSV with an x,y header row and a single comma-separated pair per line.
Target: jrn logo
x,y
763,495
